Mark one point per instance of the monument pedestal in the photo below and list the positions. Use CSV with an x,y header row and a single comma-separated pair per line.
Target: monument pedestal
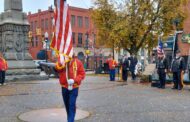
x,y
14,43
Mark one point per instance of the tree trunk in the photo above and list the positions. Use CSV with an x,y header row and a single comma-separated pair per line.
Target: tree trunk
x,y
113,53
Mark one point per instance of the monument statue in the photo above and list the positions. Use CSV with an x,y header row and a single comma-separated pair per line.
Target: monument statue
x,y
14,42
13,5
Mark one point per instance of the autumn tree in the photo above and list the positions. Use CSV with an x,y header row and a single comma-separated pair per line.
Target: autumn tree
x,y
104,16
135,24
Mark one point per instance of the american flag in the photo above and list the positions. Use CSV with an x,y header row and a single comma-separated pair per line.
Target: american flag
x,y
160,49
62,39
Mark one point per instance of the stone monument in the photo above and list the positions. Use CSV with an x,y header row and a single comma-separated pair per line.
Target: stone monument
x,y
14,43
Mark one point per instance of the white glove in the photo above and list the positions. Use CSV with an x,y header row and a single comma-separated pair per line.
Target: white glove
x,y
70,87
71,81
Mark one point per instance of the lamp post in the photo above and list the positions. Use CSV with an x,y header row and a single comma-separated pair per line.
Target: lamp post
x,y
46,41
86,47
175,45
95,56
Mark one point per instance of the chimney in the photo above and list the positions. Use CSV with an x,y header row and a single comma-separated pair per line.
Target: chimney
x,y
39,10
50,8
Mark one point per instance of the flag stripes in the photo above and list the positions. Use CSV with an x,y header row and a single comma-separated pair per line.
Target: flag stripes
x,y
160,49
62,40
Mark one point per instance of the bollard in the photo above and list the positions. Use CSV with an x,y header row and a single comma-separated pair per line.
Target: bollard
x,y
189,71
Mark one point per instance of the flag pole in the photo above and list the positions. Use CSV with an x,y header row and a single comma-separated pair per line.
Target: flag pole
x,y
55,2
174,45
188,65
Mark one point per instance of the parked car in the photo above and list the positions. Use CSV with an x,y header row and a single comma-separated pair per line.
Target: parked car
x,y
49,68
37,63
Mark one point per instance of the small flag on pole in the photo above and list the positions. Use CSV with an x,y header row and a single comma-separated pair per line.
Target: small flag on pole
x,y
160,49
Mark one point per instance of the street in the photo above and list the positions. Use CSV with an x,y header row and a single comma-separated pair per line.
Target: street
x,y
106,101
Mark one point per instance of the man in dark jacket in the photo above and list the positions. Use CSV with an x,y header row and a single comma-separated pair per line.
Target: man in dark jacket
x,y
133,63
178,69
125,68
162,67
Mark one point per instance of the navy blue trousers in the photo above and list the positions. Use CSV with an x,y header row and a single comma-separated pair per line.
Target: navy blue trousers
x,y
69,98
2,77
177,80
162,77
133,74
124,75
112,74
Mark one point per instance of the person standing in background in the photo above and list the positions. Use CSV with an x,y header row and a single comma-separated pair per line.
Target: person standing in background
x,y
112,65
162,67
125,68
178,69
3,68
133,63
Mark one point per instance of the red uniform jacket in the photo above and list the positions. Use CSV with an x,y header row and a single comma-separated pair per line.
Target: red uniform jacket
x,y
75,71
3,64
112,63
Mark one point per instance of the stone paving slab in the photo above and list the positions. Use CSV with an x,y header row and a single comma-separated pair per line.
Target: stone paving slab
x,y
51,115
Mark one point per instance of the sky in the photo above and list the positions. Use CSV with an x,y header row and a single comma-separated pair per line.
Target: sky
x,y
34,5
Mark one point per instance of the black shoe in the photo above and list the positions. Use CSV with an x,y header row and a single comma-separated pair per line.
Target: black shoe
x,y
159,86
174,87
180,88
163,87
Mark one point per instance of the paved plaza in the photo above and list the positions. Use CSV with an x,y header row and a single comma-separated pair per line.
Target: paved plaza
x,y
105,101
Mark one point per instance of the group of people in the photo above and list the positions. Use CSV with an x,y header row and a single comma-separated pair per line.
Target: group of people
x,y
177,68
127,64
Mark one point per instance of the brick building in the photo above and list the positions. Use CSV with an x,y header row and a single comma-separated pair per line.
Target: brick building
x,y
82,27
184,39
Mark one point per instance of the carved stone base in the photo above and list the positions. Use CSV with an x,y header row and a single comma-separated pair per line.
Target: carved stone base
x,y
23,71
14,78
17,56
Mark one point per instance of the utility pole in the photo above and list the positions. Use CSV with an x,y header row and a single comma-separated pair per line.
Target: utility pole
x,y
87,51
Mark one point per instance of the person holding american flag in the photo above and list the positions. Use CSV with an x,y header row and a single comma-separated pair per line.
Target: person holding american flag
x,y
161,65
70,76
70,69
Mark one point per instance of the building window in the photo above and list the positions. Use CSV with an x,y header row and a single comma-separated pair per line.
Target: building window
x,y
32,40
31,26
79,38
46,24
42,24
35,25
36,43
73,37
51,22
73,20
80,22
36,38
86,22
